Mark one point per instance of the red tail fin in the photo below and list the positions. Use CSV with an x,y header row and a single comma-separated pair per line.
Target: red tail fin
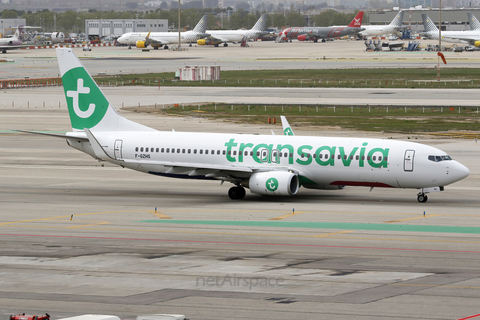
x,y
357,21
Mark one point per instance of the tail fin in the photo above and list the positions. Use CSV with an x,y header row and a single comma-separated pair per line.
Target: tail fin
x,y
261,24
18,32
474,24
87,105
398,20
287,130
201,26
357,21
428,23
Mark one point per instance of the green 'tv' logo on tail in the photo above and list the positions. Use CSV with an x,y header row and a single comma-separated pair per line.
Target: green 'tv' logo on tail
x,y
86,103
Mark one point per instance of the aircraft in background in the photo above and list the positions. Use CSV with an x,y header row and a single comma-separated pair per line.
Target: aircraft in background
x,y
378,30
274,165
159,39
464,36
14,42
218,36
316,33
55,37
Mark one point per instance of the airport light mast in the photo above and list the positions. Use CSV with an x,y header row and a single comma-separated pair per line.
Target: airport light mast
x,y
439,38
179,32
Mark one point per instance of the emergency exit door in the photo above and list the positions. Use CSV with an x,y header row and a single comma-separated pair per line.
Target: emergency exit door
x,y
118,149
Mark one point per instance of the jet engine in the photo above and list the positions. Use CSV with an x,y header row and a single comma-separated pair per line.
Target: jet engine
x,y
201,42
141,44
477,43
273,183
302,38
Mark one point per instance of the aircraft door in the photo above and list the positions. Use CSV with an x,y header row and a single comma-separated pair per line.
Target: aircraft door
x,y
264,155
275,156
118,149
408,162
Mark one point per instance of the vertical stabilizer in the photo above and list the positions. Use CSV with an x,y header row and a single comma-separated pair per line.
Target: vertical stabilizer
x,y
357,21
18,32
397,22
287,130
261,24
428,24
87,105
474,24
201,26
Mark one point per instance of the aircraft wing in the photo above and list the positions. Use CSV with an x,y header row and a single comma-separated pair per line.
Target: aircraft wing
x,y
156,41
470,39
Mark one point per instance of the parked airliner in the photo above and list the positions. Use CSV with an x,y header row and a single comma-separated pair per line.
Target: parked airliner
x,y
274,165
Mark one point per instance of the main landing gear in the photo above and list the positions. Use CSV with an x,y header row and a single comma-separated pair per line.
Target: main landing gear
x,y
225,44
422,197
236,193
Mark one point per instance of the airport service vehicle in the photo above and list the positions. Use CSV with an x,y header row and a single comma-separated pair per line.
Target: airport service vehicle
x,y
218,36
159,39
323,33
271,165
468,36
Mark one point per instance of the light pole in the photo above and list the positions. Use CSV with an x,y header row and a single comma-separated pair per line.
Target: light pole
x,y
439,38
179,34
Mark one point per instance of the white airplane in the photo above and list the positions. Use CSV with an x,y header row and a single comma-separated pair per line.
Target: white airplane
x,y
56,37
463,36
159,39
274,165
13,42
218,36
378,30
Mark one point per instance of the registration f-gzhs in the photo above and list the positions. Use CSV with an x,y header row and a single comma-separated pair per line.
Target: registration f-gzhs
x,y
274,165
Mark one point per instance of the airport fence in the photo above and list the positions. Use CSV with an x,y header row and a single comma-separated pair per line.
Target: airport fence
x,y
302,83
25,83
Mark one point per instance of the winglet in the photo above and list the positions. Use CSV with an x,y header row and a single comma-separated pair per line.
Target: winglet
x,y
287,130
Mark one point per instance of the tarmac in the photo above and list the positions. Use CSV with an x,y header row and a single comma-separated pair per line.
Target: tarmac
x,y
79,236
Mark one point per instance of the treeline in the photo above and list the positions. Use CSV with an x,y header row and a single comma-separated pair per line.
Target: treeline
x,y
73,21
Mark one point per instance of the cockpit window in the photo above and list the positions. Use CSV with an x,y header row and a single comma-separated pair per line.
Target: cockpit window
x,y
439,158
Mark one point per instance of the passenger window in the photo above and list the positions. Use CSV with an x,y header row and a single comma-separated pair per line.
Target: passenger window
x,y
357,157
162,150
146,149
189,151
201,151
235,152
206,151
251,153
320,156
173,150
374,158
380,158
141,149
302,155
363,157
157,150
351,157
386,158
168,150
368,157
291,155
246,153
194,151
136,149
218,151
152,149
339,157
345,157
183,150
258,153
213,152
224,152
229,153
308,155
178,150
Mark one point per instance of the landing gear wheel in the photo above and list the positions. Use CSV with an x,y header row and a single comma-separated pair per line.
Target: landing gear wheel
x,y
225,44
422,198
236,193
129,47
165,47
215,45
190,44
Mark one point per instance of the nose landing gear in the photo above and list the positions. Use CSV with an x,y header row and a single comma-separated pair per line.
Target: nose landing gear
x,y
422,197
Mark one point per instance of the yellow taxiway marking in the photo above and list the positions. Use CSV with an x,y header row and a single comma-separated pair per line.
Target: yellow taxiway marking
x,y
406,219
331,234
159,214
291,214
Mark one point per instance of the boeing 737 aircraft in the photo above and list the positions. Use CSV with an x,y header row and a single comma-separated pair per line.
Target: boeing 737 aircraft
x,y
378,30
159,39
316,33
218,36
274,165
467,36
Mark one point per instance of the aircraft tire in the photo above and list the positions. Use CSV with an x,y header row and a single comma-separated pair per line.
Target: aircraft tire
x,y
165,47
236,193
422,198
225,44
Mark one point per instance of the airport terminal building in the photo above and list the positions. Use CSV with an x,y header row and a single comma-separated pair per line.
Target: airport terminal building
x,y
117,27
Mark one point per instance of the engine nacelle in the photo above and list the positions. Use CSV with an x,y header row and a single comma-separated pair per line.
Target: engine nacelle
x,y
476,43
201,42
302,38
273,183
141,44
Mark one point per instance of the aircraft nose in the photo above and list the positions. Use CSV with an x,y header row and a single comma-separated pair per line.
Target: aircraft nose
x,y
459,171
